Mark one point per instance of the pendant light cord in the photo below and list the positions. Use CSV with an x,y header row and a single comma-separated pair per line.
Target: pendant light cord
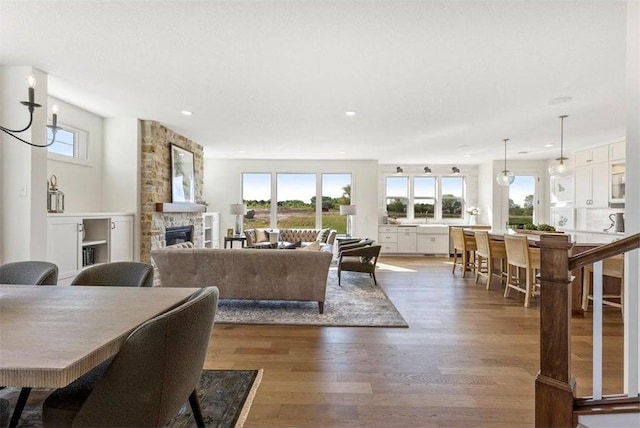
x,y
505,156
562,138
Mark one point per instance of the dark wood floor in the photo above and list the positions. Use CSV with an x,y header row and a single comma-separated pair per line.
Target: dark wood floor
x,y
469,358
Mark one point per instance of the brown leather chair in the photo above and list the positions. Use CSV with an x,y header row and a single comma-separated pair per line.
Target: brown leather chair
x,y
359,259
148,381
29,273
124,274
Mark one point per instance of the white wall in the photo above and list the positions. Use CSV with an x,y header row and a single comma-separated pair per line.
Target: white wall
x,y
81,183
485,194
22,168
223,184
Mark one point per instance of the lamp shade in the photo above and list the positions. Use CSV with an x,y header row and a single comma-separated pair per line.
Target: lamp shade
x,y
238,209
347,209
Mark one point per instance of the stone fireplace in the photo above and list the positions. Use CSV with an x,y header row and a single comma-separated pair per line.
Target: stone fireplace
x,y
156,187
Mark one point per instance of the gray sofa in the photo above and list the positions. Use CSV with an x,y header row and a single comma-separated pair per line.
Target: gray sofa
x,y
256,274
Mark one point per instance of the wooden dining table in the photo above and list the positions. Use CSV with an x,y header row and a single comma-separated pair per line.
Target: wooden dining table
x,y
51,335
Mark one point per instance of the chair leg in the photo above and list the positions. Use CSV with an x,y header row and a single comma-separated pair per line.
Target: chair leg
x,y
464,262
17,411
479,268
586,288
489,273
506,284
373,274
340,285
455,260
195,407
527,293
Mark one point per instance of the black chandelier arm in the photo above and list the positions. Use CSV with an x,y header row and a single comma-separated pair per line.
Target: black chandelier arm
x,y
53,140
20,130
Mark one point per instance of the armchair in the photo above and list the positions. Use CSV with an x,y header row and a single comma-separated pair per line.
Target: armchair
x,y
360,259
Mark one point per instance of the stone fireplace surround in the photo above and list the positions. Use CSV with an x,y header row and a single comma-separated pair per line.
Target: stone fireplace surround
x,y
156,186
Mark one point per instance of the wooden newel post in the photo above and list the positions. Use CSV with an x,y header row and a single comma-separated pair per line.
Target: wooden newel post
x,y
555,387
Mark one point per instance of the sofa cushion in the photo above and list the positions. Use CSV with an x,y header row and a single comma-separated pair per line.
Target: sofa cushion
x,y
323,235
314,246
262,235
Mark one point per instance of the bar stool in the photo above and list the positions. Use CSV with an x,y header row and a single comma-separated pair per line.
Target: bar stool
x,y
520,256
613,267
466,245
487,252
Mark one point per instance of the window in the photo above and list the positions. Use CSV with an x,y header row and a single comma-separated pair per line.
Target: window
x,y
424,197
336,191
296,209
452,197
70,143
522,200
397,196
256,195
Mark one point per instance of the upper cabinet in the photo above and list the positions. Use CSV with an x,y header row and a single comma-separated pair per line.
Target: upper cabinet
x,y
592,156
617,151
592,186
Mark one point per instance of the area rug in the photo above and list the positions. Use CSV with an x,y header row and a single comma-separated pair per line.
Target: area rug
x,y
225,398
358,303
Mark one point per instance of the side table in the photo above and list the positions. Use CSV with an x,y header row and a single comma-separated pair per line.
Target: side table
x,y
232,239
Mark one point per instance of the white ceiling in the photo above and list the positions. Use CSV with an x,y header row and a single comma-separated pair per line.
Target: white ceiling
x,y
430,81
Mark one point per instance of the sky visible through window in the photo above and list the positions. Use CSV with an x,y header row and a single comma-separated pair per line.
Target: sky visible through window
x,y
302,187
522,186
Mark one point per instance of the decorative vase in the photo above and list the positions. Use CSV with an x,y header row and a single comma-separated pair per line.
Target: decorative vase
x,y
473,219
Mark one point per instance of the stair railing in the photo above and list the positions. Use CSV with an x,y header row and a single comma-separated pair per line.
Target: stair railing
x,y
555,400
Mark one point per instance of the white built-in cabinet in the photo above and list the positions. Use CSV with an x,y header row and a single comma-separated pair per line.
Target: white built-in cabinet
x,y
211,230
433,240
407,239
413,239
592,185
75,241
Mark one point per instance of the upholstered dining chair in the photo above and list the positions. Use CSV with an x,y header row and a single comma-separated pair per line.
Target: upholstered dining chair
x,y
466,245
359,259
488,251
150,378
29,273
521,257
125,274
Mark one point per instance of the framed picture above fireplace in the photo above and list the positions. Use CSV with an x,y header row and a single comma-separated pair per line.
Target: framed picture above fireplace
x,y
183,180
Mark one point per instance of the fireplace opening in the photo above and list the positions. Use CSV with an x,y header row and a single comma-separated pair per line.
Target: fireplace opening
x,y
176,235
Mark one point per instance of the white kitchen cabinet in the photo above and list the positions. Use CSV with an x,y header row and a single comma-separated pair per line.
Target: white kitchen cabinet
x,y
617,151
121,239
433,240
75,241
407,239
211,230
388,239
592,156
592,186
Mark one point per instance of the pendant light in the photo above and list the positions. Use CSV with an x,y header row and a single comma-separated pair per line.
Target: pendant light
x,y
505,177
562,166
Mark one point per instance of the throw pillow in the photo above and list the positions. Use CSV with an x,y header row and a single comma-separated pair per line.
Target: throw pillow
x,y
261,235
314,246
323,235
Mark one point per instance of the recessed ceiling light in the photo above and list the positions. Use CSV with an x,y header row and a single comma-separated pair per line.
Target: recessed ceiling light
x,y
523,152
560,100
549,145
241,151
467,155
186,112
342,152
350,113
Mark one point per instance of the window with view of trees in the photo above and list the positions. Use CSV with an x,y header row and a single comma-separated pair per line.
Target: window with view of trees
x,y
424,197
336,191
256,195
522,201
397,196
452,197
296,206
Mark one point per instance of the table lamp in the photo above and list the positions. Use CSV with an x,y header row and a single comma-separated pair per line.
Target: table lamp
x,y
349,211
239,210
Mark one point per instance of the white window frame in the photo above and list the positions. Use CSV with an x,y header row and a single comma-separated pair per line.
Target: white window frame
x,y
80,147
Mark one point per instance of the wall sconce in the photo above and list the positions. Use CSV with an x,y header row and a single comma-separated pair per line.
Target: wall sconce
x,y
31,106
455,170
427,170
399,170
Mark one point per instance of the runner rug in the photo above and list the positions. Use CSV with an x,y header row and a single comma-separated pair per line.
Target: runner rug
x,y
357,303
225,398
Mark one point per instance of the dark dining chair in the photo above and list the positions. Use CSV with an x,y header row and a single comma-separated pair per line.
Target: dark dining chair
x,y
155,372
29,273
124,274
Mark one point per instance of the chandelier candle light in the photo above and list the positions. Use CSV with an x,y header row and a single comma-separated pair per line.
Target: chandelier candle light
x,y
349,211
561,167
31,106
505,177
